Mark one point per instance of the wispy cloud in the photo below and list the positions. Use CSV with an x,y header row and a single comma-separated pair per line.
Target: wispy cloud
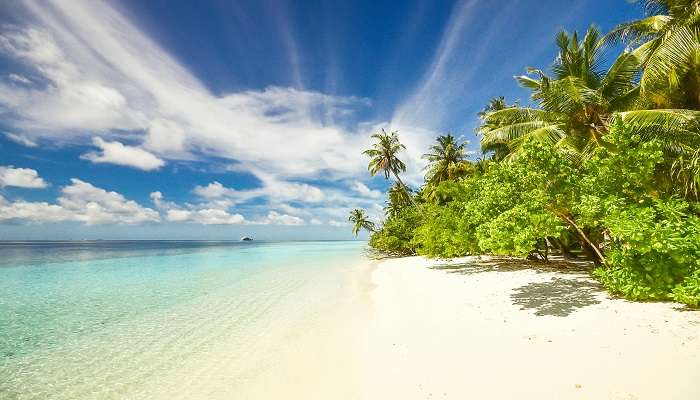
x,y
108,84
21,139
286,32
460,58
107,77
19,79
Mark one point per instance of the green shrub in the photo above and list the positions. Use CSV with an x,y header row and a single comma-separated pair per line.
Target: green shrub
x,y
504,211
654,239
654,252
395,236
616,197
688,291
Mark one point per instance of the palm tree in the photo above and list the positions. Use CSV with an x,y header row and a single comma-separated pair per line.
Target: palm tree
x,y
499,150
575,104
383,158
495,104
397,200
360,221
667,42
447,160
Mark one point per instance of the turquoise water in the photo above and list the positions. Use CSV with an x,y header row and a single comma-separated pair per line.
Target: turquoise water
x,y
109,319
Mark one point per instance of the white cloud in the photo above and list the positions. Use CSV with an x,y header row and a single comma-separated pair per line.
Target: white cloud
x,y
217,210
106,75
80,201
203,215
94,205
215,190
21,139
19,79
33,212
363,190
272,189
207,216
287,191
21,177
75,99
275,218
120,154
105,78
291,210
166,137
157,199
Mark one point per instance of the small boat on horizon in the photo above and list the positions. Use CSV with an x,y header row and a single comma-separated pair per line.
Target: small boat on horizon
x,y
246,239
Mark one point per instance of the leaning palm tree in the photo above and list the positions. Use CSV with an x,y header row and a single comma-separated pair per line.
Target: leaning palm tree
x,y
575,104
667,42
447,160
359,221
384,158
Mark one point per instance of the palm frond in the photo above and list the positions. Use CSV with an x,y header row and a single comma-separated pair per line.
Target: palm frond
x,y
686,170
677,130
570,95
635,32
511,132
673,54
619,79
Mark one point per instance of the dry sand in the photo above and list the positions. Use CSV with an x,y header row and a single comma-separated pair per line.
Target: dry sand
x,y
512,333
403,330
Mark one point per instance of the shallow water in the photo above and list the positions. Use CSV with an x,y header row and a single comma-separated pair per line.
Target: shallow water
x,y
121,319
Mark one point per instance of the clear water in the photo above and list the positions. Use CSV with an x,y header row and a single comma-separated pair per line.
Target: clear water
x,y
113,319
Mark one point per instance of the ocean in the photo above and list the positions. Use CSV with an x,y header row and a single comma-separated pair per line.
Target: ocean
x,y
141,319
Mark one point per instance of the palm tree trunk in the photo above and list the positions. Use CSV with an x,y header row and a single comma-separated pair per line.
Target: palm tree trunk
x,y
405,189
585,238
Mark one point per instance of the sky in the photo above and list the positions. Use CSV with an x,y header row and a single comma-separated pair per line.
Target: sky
x,y
131,119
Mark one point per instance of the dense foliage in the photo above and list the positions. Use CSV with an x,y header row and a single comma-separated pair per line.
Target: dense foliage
x,y
597,168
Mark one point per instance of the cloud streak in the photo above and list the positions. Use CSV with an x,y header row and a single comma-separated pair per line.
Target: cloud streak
x,y
102,81
104,76
462,54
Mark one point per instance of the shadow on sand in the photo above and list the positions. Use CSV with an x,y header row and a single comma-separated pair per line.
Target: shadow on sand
x,y
560,296
509,264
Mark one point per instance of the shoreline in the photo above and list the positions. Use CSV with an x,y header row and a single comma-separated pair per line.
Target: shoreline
x,y
407,330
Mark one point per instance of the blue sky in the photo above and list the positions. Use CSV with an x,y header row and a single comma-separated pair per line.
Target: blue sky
x,y
215,119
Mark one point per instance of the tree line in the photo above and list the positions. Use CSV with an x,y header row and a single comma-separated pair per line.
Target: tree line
x,y
604,164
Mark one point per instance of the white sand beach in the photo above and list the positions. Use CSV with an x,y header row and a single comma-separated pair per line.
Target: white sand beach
x,y
521,334
496,331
